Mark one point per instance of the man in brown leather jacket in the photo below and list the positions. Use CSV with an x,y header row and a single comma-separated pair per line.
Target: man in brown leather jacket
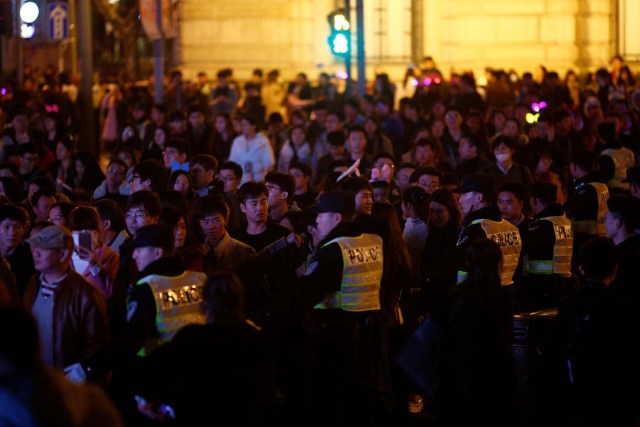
x,y
70,312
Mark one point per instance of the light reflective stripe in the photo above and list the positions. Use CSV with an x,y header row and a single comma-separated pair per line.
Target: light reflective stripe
x,y
562,250
539,267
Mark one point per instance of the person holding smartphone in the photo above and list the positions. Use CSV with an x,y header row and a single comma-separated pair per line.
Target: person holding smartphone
x,y
97,262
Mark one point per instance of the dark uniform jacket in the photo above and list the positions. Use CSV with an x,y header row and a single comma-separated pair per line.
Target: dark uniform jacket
x,y
539,291
140,322
596,359
582,207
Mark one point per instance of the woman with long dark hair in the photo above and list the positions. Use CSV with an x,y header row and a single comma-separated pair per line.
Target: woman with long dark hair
x,y
223,136
445,221
186,244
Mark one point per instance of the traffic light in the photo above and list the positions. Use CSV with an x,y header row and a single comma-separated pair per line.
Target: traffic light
x,y
29,12
340,38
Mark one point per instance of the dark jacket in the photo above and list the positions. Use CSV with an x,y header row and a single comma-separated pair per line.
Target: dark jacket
x,y
80,324
477,380
597,362
229,365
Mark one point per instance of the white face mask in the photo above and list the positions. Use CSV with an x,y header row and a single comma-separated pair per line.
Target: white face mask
x,y
503,157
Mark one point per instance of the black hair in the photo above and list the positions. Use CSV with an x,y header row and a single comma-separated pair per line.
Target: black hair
x,y
12,188
252,189
515,188
13,212
627,208
426,170
336,137
154,171
224,299
207,161
208,205
41,193
110,210
303,167
175,199
418,199
147,199
84,218
598,258
233,166
354,184
282,180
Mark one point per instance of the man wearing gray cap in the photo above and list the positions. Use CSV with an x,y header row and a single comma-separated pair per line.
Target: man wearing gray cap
x,y
70,311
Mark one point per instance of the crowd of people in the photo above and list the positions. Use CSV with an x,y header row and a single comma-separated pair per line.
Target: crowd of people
x,y
265,253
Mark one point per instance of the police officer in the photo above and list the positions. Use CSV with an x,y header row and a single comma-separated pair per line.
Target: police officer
x,y
483,220
164,298
341,296
546,252
586,205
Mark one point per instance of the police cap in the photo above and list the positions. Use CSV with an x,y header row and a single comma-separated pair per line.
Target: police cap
x,y
479,182
335,202
545,191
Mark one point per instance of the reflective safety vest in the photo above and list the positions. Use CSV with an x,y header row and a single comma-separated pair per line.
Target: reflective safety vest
x,y
595,227
507,236
362,261
560,263
178,303
623,158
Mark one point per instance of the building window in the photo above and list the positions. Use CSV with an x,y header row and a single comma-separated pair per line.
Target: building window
x,y
388,31
629,30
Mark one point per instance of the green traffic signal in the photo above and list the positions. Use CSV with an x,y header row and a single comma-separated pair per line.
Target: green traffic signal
x,y
340,38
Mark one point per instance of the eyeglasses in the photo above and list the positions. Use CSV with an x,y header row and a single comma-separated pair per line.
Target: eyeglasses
x,y
115,172
270,188
138,215
134,177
